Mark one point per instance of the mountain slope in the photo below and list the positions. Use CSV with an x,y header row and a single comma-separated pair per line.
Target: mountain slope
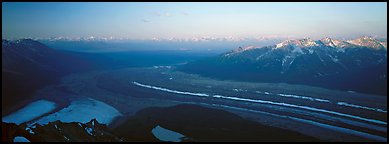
x,y
358,65
28,65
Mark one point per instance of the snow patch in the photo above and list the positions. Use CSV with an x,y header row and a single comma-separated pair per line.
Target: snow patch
x,y
30,112
297,50
29,130
310,51
20,139
280,45
167,135
89,131
66,138
83,111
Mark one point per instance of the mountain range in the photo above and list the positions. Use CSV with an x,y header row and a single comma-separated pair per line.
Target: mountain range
x,y
354,65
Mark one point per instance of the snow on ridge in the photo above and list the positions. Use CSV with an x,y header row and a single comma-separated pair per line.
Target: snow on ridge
x,y
89,131
384,44
240,49
306,42
248,48
30,130
334,42
367,41
66,138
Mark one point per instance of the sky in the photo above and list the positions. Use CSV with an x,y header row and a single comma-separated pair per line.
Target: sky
x,y
137,20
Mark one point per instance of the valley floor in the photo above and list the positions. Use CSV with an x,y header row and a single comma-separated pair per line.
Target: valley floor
x,y
329,115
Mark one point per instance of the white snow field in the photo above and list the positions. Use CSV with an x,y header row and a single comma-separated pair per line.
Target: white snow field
x,y
83,111
29,112
166,135
20,139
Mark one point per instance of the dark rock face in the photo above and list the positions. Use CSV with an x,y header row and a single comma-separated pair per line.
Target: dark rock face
x,y
325,63
9,131
60,132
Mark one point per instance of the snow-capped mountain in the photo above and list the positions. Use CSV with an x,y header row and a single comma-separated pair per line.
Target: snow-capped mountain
x,y
242,49
302,43
364,41
368,42
358,65
334,43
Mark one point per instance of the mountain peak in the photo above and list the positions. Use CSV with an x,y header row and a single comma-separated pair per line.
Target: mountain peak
x,y
367,41
334,42
367,37
241,49
246,48
306,42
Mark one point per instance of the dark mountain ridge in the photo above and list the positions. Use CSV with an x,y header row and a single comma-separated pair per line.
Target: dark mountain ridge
x,y
197,123
28,65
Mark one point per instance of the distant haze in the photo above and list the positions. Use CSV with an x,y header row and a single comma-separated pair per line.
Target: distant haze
x,y
137,20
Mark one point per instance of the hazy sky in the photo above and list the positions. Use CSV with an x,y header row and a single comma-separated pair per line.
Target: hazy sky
x,y
165,20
